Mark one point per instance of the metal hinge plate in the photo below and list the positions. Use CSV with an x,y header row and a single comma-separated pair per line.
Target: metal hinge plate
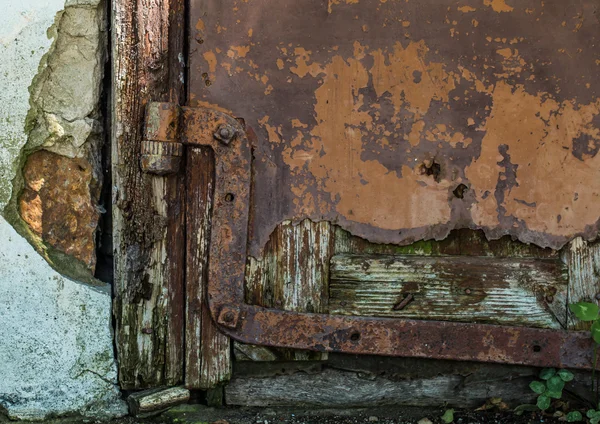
x,y
170,128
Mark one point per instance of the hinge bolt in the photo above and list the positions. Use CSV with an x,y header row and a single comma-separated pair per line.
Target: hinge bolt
x,y
229,317
225,133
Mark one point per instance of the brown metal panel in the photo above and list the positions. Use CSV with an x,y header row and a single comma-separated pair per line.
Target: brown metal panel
x,y
402,120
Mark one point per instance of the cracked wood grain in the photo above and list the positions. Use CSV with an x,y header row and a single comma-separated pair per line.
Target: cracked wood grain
x,y
147,48
207,351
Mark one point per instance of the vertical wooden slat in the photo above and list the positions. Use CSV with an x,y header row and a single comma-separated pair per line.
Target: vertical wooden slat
x,y
208,360
583,259
148,217
292,275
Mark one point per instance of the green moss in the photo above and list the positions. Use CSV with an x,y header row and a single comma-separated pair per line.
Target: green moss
x,y
424,247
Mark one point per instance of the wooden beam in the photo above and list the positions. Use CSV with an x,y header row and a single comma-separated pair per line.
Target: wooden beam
x,y
336,388
148,217
154,401
508,291
208,358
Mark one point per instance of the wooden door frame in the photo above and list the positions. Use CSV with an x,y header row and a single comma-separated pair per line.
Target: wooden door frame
x,y
148,49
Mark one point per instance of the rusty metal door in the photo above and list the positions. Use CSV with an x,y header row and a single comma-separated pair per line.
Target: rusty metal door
x,y
393,122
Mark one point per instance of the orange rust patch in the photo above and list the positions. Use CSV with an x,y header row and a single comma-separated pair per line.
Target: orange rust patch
x,y
238,51
357,186
498,5
560,202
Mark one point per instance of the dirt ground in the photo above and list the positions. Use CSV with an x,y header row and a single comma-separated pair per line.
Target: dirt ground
x,y
198,414
400,415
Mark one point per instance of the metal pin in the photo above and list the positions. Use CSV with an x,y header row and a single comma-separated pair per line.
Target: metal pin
x,y
402,304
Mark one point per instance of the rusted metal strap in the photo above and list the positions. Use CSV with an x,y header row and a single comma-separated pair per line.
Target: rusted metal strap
x,y
410,338
330,333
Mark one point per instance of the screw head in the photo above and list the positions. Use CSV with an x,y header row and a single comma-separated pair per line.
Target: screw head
x,y
225,133
229,317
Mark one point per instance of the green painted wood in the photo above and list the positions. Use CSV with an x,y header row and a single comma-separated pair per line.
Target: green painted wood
x,y
292,275
509,291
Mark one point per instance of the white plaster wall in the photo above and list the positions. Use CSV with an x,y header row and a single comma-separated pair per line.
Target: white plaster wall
x,y
23,42
56,351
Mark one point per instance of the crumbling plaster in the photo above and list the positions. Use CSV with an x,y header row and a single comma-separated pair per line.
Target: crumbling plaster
x,y
56,344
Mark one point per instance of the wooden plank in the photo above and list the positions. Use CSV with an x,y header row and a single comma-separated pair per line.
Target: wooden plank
x,y
451,288
151,402
208,359
292,275
334,388
584,282
466,382
147,46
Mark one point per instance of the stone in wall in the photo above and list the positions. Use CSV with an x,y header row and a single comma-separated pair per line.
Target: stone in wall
x,y
59,203
56,191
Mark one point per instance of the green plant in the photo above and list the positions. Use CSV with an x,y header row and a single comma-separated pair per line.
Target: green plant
x,y
448,416
585,311
551,387
553,381
593,415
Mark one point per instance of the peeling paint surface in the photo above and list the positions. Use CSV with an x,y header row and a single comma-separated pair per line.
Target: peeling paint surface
x,y
373,113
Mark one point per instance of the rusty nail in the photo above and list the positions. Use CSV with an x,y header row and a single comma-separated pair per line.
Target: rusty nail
x,y
402,304
225,133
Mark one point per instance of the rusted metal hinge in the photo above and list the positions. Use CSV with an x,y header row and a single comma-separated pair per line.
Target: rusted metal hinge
x,y
170,128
